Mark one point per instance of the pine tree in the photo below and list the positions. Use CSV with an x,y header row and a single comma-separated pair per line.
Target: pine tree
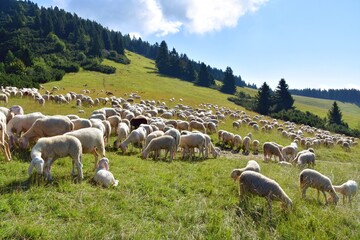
x,y
162,58
335,115
204,76
228,82
263,101
282,98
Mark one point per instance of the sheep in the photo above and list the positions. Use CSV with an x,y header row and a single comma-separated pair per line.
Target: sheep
x,y
251,165
92,141
137,121
136,136
258,184
4,145
289,153
4,98
103,176
166,142
81,123
46,127
197,126
19,124
190,141
271,149
347,189
256,144
122,132
306,158
312,178
295,160
48,149
346,146
175,134
246,145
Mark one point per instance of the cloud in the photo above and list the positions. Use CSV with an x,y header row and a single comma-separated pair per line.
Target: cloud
x,y
162,17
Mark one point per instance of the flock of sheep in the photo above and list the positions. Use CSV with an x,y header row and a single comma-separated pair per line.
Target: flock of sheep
x,y
156,128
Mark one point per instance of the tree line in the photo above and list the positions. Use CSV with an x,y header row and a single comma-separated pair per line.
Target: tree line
x,y
343,95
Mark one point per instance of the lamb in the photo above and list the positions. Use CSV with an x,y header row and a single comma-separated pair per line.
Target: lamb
x,y
166,142
306,158
48,149
136,136
347,189
258,184
271,149
103,176
314,179
46,127
251,165
92,141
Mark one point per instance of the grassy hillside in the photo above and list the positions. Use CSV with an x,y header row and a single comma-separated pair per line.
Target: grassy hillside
x,y
161,200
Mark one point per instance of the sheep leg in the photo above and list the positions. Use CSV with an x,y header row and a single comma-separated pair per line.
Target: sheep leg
x,y
326,201
96,155
303,191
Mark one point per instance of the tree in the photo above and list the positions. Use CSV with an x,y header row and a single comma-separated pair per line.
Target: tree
x,y
228,82
263,101
335,115
162,58
204,76
282,98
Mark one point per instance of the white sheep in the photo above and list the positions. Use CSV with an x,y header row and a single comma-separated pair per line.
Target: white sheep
x,y
270,149
4,145
312,178
166,142
347,189
246,145
306,158
46,127
81,123
197,126
103,176
48,149
193,140
251,165
260,185
92,141
19,124
4,98
136,136
122,133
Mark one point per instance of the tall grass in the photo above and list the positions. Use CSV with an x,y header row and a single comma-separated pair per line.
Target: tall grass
x,y
161,200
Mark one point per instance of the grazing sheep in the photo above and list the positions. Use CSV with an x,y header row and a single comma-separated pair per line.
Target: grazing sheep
x,y
175,134
306,158
4,98
136,136
311,150
289,153
193,140
151,136
346,146
251,165
103,176
347,189
270,149
48,149
258,184
4,145
81,123
256,144
19,124
166,142
137,121
92,141
122,132
246,145
46,127
197,126
311,178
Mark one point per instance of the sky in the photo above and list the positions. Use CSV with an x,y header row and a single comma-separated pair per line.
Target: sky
x,y
309,43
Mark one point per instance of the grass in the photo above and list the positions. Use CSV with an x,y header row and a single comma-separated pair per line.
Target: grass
x,y
161,200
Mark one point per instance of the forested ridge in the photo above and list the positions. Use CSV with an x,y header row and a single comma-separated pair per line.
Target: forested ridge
x,y
40,44
343,95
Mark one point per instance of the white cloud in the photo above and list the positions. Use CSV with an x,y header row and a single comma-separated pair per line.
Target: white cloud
x,y
161,17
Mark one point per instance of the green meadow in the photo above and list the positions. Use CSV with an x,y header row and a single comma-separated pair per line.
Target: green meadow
x,y
181,199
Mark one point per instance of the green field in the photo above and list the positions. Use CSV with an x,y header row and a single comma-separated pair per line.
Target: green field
x,y
161,200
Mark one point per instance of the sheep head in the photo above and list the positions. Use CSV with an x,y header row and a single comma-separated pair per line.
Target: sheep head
x,y
38,163
103,164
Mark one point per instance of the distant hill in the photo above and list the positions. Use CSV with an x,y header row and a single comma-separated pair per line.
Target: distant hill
x,y
342,95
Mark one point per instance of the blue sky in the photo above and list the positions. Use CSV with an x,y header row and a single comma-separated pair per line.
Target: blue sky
x,y
309,43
